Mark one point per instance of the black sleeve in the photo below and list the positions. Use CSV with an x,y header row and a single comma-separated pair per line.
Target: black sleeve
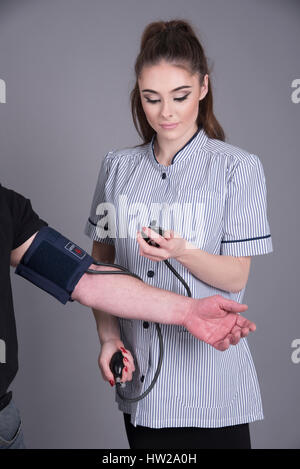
x,y
25,221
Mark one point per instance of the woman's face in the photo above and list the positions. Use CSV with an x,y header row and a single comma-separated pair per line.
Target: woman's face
x,y
171,95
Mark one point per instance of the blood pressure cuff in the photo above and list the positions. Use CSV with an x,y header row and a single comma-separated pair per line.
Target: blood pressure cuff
x,y
54,264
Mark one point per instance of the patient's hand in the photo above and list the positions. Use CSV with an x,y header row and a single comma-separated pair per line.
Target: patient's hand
x,y
215,320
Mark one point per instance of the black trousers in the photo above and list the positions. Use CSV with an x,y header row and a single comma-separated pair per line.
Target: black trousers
x,y
232,437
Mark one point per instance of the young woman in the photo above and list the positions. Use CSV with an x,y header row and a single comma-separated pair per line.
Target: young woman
x,y
210,198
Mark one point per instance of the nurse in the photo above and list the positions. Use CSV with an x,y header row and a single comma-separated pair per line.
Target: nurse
x,y
210,198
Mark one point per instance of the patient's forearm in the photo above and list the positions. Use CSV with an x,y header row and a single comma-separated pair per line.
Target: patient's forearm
x,y
125,296
210,319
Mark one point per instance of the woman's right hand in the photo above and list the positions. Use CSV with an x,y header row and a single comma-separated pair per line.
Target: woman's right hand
x,y
108,348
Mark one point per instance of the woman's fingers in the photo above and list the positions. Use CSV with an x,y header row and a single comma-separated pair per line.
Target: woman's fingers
x,y
153,235
129,367
105,370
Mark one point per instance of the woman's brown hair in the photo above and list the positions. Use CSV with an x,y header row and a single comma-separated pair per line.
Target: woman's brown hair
x,y
175,42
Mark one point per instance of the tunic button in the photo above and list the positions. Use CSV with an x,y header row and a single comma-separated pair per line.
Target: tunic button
x,y
145,324
142,378
164,175
150,273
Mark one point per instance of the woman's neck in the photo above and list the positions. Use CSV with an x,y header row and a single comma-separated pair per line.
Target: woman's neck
x,y
165,149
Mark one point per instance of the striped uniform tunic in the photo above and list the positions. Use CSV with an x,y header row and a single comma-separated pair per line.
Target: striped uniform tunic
x,y
214,195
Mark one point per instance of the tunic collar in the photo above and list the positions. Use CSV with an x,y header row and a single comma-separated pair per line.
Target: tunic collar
x,y
198,140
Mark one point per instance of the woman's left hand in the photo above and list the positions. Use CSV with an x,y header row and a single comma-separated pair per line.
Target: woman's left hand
x,y
170,245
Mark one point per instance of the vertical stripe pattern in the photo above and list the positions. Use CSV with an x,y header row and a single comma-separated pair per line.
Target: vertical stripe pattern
x,y
214,195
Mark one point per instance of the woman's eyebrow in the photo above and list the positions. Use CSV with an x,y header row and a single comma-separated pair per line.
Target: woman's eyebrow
x,y
175,89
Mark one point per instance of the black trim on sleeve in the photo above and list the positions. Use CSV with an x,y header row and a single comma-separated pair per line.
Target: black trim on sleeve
x,y
248,239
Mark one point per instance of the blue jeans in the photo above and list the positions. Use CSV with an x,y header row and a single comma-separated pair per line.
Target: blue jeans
x,y
11,434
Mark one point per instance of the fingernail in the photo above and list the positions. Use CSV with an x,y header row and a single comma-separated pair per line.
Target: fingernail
x,y
126,369
125,359
111,382
123,350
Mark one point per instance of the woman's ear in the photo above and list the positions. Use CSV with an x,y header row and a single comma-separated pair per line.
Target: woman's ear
x,y
204,87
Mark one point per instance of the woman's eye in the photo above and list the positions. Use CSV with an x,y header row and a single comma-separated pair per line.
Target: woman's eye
x,y
152,101
181,99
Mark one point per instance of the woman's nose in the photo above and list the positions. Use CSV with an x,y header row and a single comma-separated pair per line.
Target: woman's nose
x,y
166,110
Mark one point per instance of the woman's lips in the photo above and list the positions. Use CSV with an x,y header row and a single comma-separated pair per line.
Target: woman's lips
x,y
169,126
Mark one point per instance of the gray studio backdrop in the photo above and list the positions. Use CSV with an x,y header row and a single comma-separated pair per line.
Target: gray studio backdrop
x,y
68,69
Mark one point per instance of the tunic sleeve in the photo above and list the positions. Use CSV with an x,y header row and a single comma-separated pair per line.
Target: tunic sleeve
x,y
100,225
246,230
